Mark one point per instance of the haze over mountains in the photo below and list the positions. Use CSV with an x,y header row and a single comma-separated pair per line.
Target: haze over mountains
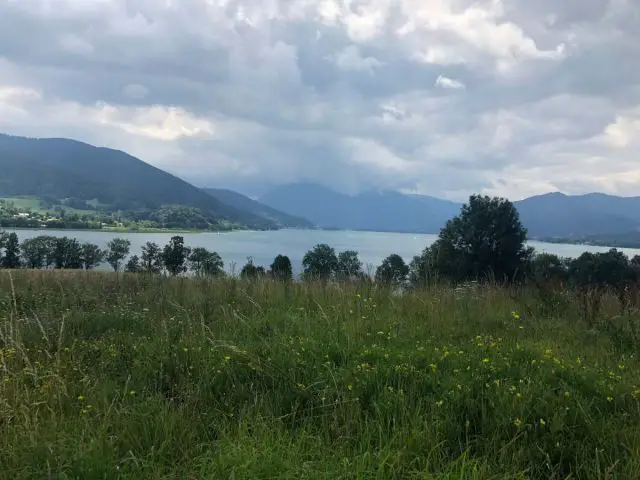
x,y
550,215
63,168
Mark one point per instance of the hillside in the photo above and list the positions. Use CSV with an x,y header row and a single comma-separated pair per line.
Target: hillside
x,y
246,204
377,211
560,215
550,215
62,168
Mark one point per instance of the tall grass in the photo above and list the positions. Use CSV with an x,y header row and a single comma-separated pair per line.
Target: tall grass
x,y
106,376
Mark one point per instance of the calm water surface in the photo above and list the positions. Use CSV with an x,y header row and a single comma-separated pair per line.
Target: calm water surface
x,y
235,247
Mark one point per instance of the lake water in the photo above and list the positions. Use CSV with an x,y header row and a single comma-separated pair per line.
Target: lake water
x,y
235,247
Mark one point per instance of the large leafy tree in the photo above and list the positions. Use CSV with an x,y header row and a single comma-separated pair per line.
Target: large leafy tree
x,y
67,253
349,266
175,254
487,240
92,256
281,268
320,263
117,250
35,252
151,258
393,271
205,263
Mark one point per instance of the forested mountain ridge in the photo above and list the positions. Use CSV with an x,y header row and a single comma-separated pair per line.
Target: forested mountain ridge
x,y
63,168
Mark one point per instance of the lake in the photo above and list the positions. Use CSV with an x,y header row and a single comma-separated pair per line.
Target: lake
x,y
235,247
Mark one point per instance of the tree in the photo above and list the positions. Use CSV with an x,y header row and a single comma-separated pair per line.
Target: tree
x,y
67,253
486,239
548,269
35,252
392,272
421,269
594,273
320,263
281,268
349,266
92,256
133,265
205,263
117,251
11,258
175,255
251,271
3,241
151,258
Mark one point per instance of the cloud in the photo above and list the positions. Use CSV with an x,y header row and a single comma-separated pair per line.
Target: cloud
x,y
442,97
446,82
351,59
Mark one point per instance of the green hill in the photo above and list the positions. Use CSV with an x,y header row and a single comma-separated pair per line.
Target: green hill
x,y
246,204
61,169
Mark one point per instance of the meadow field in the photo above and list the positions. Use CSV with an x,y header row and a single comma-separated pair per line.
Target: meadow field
x,y
106,376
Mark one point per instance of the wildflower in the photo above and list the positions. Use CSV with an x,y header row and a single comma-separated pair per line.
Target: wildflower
x,y
609,399
517,422
227,358
439,403
350,387
515,315
542,422
81,398
485,360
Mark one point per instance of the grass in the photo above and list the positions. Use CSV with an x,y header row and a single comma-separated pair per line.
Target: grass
x,y
105,376
25,203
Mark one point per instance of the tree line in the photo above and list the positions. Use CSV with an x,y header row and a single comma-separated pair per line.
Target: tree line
x,y
485,242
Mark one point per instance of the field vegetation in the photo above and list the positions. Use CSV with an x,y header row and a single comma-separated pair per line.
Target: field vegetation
x,y
135,376
478,360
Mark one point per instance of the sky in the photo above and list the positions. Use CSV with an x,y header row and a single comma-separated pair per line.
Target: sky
x,y
438,97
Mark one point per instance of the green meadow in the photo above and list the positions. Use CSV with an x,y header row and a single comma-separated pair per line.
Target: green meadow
x,y
106,376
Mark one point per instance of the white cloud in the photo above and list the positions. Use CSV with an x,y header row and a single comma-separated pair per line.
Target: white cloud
x,y
253,93
446,82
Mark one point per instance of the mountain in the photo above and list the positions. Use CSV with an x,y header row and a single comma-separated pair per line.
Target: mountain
x,y
246,204
560,215
545,216
63,168
376,211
